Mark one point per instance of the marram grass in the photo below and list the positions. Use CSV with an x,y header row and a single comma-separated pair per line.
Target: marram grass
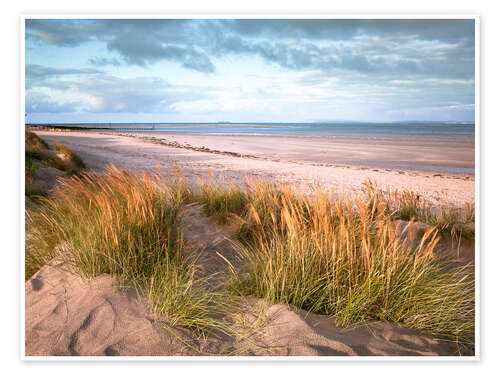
x,y
219,201
408,205
335,256
74,158
39,154
341,257
123,224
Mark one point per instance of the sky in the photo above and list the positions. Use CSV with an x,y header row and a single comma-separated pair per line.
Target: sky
x,y
248,70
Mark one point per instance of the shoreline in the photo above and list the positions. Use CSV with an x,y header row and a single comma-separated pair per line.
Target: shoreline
x,y
432,155
135,153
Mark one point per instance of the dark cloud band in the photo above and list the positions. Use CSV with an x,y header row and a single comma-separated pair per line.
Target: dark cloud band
x,y
371,46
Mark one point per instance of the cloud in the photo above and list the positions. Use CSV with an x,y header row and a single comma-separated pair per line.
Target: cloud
x,y
137,42
37,71
104,61
105,94
331,67
39,74
451,112
444,30
372,46
38,102
138,50
68,33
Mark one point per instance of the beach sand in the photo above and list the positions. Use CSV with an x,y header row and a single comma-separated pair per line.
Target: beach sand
x,y
302,162
66,315
69,316
431,154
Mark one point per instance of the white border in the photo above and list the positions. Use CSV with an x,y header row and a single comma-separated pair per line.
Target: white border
x,y
477,178
291,16
477,63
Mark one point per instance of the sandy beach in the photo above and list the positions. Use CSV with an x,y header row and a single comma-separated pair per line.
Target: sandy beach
x,y
70,315
334,164
437,154
273,187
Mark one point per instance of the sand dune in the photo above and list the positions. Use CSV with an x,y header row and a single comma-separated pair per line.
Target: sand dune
x,y
69,316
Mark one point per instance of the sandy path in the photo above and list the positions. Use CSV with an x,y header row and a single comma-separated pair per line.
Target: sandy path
x,y
213,245
98,150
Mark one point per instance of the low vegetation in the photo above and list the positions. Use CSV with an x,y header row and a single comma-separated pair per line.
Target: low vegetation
x,y
343,258
72,157
35,141
457,222
38,154
123,224
219,201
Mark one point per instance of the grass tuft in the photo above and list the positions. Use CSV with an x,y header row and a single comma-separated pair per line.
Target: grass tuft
x,y
410,206
34,141
123,224
70,154
219,201
342,257
38,155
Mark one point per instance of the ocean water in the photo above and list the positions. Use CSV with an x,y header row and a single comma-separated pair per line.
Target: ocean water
x,y
463,131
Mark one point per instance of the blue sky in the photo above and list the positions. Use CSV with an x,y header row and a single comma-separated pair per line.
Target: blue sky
x,y
249,70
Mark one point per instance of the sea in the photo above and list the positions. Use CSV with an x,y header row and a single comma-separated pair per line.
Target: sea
x,y
464,131
459,135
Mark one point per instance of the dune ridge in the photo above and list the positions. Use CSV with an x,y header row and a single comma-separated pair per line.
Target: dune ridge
x,y
67,315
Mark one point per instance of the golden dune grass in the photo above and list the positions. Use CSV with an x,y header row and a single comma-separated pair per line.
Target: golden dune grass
x,y
331,255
